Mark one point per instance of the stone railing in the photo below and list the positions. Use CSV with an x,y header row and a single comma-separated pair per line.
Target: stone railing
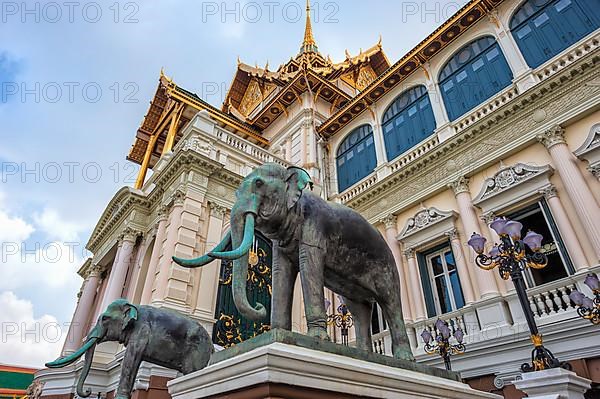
x,y
583,49
250,149
551,299
487,108
414,154
358,188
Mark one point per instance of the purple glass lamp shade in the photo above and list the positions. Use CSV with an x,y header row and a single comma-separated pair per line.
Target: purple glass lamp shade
x,y
588,303
533,240
577,297
495,251
513,229
443,328
477,242
459,335
498,225
592,281
426,335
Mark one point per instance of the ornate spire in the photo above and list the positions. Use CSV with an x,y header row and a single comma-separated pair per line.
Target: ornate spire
x,y
308,45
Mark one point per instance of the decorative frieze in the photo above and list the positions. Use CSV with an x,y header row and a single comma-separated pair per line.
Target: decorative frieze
x,y
552,136
507,178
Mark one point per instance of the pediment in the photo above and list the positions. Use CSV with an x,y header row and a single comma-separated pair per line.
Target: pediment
x,y
426,225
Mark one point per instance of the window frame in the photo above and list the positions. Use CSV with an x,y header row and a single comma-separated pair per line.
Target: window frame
x,y
441,251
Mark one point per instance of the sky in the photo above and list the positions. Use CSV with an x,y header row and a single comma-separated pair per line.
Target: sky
x,y
76,79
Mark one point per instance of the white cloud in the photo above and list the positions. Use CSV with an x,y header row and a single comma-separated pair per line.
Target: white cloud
x,y
55,226
24,339
12,228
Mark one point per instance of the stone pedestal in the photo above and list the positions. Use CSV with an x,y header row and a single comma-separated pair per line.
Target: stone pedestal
x,y
285,365
553,384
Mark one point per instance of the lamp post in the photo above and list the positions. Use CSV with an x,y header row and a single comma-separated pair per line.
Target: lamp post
x,y
342,319
512,256
589,309
441,342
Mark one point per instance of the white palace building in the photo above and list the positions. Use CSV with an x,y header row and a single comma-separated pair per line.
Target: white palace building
x,y
495,113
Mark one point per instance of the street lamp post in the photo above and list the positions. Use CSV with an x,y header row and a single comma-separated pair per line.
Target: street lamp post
x,y
441,342
342,319
589,309
512,256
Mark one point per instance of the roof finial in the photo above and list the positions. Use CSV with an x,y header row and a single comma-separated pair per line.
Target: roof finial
x,y
308,45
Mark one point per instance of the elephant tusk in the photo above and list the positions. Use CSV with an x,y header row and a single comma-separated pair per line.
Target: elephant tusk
x,y
65,361
204,259
244,246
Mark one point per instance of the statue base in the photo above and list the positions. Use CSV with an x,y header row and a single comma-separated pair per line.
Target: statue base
x,y
282,364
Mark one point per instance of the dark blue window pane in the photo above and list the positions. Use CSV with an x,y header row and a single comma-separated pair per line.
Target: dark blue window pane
x,y
542,29
407,121
475,73
355,157
443,294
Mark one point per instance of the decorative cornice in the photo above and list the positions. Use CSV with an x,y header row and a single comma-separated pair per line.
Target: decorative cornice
x,y
423,219
549,191
509,177
460,185
390,221
552,136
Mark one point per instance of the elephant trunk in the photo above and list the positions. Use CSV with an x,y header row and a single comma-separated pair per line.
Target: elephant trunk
x,y
242,235
204,259
89,355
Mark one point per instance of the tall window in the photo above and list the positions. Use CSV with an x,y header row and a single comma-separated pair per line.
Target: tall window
x,y
441,284
544,28
474,74
537,218
408,121
356,157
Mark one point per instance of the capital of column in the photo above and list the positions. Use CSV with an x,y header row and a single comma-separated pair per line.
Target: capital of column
x,y
460,185
452,234
548,191
217,210
595,170
94,271
129,234
177,198
389,221
488,217
409,253
163,213
552,137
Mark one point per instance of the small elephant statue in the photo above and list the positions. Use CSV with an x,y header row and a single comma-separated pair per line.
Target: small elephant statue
x,y
160,336
328,244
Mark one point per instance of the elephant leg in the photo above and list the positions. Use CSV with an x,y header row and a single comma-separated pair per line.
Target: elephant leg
x,y
392,311
129,368
361,314
312,279
282,282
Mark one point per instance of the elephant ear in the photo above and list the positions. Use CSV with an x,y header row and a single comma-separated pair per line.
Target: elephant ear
x,y
130,315
297,179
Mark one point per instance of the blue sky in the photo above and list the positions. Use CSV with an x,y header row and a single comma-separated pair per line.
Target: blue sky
x,y
75,84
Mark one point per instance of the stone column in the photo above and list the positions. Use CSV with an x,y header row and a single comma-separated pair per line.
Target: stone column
x,y
585,204
209,277
417,297
485,281
567,232
166,263
462,267
121,264
304,142
82,311
155,257
391,232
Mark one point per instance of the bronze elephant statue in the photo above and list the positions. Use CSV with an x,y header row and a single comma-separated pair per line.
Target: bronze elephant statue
x,y
160,336
328,244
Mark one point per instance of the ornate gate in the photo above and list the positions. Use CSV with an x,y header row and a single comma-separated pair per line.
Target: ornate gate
x,y
231,328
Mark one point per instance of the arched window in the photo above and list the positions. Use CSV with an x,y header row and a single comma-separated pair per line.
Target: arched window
x,y
474,74
355,157
408,121
544,28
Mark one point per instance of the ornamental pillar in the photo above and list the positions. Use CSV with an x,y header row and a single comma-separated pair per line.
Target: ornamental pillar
x,y
485,281
416,293
567,232
82,311
166,264
161,227
461,266
577,189
118,274
208,279
391,232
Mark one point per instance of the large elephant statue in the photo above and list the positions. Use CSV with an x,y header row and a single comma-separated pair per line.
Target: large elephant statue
x,y
160,336
329,244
